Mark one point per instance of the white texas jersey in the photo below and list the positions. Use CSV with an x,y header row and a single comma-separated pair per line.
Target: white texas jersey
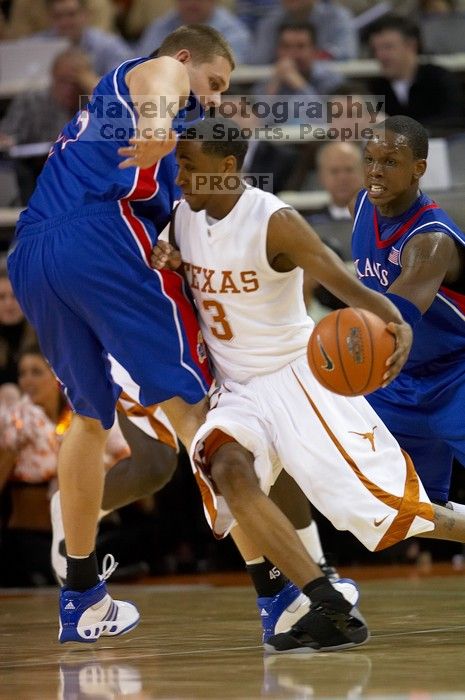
x,y
253,318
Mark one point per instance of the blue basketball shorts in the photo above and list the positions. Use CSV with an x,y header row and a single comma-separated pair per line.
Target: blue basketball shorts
x,y
84,283
426,415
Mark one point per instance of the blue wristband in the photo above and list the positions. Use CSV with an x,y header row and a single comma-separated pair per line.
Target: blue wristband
x,y
409,311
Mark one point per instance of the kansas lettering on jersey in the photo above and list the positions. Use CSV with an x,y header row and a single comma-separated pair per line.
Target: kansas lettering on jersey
x,y
253,318
82,168
377,245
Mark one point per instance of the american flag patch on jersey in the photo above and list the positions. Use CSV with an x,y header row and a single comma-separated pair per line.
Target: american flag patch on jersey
x,y
393,256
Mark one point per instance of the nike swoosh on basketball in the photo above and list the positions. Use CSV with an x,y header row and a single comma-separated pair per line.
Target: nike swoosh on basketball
x,y
329,366
377,523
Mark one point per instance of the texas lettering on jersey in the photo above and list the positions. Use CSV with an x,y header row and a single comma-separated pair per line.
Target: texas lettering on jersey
x,y
209,281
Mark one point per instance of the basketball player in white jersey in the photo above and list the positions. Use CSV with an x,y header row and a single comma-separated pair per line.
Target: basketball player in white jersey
x,y
243,256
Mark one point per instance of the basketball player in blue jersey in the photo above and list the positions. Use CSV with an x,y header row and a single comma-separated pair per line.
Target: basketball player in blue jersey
x,y
79,267
406,247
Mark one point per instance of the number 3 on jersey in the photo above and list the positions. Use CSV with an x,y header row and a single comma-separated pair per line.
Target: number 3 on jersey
x,y
221,328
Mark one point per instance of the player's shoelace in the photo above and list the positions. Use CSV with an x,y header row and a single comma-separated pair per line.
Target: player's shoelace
x,y
109,564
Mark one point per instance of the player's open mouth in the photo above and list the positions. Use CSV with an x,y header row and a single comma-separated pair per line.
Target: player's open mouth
x,y
376,189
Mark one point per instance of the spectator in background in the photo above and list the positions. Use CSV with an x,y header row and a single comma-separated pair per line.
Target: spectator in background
x,y
436,7
442,26
428,93
35,117
38,117
297,70
69,20
335,36
33,418
132,17
252,11
264,156
28,17
198,12
15,332
30,426
339,171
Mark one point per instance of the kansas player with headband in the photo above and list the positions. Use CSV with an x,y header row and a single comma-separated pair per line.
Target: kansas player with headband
x,y
79,268
406,247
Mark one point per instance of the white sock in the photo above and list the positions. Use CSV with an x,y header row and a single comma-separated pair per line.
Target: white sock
x,y
311,541
258,560
457,507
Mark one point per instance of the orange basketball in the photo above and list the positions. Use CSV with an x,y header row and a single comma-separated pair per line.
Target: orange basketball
x,y
347,351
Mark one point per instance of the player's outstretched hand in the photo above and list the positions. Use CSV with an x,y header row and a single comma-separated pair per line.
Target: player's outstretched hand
x,y
404,336
143,153
164,256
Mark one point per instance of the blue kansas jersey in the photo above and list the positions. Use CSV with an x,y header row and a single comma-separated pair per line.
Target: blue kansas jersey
x,y
82,168
377,245
80,264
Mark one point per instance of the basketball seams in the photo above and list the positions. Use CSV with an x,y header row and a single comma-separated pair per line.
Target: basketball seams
x,y
355,344
338,345
372,348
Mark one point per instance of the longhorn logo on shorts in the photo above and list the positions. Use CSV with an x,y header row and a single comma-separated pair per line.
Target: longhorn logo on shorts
x,y
329,366
367,436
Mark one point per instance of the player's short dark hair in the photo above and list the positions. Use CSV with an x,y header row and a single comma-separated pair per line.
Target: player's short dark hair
x,y
298,27
395,23
414,132
221,137
203,42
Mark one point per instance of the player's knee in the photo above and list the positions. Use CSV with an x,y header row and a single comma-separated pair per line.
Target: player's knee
x,y
159,464
232,470
91,427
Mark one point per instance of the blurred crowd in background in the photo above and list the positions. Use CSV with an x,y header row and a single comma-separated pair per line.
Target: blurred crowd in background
x,y
52,53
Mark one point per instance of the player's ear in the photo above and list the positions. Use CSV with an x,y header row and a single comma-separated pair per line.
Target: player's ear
x,y
183,56
419,168
229,165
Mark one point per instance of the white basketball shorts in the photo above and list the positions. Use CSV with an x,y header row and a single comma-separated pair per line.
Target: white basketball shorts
x,y
336,448
150,419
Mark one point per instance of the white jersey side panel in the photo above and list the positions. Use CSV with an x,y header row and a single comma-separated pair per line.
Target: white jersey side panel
x,y
253,318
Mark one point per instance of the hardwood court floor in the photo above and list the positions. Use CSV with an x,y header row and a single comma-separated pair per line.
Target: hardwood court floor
x,y
203,642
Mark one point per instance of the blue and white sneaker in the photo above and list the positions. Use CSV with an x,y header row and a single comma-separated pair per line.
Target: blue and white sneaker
x,y
278,613
86,616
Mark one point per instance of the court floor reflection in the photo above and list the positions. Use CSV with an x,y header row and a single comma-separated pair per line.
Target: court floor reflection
x,y
203,642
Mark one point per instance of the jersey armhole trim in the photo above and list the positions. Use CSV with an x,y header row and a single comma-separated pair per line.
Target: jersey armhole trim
x,y
447,232
359,208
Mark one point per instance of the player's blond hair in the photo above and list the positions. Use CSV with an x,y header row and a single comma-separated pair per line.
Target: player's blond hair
x,y
203,42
